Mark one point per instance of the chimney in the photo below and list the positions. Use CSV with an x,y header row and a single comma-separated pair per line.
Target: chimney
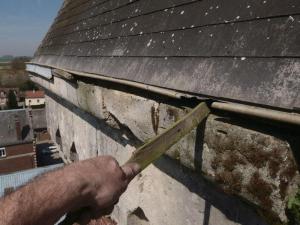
x,y
18,127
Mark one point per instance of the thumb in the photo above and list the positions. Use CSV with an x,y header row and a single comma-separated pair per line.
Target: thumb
x,y
131,170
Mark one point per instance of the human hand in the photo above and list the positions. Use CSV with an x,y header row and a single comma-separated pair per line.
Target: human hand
x,y
101,182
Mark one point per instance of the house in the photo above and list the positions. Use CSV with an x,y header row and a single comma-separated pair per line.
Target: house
x,y
34,98
16,141
4,96
39,125
3,99
118,73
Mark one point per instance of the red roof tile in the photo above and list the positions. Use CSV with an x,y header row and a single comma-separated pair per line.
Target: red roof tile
x,y
34,94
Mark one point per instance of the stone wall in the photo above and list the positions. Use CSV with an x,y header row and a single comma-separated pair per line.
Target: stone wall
x,y
198,179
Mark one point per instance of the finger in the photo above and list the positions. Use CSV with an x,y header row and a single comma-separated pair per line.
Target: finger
x,y
131,170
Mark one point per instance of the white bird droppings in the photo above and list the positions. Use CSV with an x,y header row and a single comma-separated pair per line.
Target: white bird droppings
x,y
291,18
149,43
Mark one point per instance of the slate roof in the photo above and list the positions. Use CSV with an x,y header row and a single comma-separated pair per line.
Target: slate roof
x,y
39,118
8,133
235,50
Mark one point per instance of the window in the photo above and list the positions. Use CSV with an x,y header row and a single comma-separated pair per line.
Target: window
x,y
73,153
2,153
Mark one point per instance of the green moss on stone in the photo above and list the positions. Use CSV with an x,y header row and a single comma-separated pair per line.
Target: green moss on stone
x,y
294,209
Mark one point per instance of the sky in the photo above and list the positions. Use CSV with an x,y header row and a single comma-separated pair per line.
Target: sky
x,y
24,23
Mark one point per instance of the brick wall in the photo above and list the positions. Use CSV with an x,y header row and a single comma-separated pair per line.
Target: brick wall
x,y
10,165
18,157
19,149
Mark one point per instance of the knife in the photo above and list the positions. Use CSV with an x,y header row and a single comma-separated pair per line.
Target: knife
x,y
152,150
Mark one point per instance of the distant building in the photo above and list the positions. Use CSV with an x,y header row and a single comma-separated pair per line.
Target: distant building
x,y
39,125
4,96
17,150
3,99
34,98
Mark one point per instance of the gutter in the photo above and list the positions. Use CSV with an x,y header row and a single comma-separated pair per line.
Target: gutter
x,y
259,112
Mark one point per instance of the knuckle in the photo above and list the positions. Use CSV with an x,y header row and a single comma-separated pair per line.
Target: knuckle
x,y
113,164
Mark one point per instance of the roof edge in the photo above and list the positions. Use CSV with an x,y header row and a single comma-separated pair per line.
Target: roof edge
x,y
244,109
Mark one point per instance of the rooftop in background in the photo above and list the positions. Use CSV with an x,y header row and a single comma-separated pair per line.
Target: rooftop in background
x,y
15,127
38,119
34,94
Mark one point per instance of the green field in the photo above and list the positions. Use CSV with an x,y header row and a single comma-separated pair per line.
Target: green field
x,y
5,65
13,78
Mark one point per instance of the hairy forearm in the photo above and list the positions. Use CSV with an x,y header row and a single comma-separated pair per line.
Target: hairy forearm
x,y
94,185
43,201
